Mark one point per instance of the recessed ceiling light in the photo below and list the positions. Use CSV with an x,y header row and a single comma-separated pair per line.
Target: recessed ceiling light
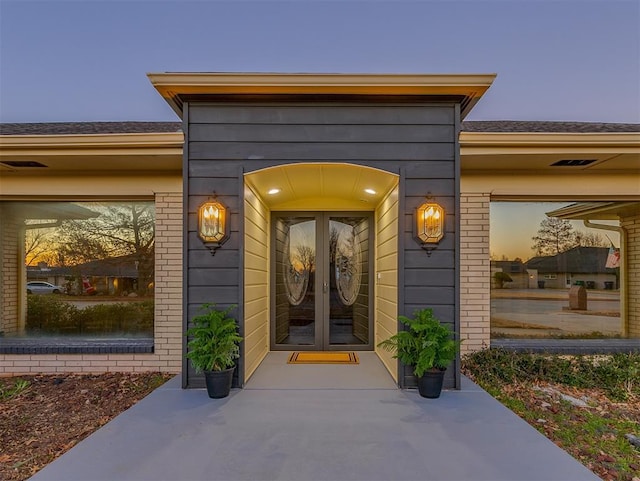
x,y
370,191
273,191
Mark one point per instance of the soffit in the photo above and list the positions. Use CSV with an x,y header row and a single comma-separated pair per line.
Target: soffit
x,y
122,153
176,88
480,152
597,210
536,152
51,211
321,186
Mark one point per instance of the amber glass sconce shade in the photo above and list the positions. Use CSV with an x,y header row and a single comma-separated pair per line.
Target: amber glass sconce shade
x,y
429,220
212,224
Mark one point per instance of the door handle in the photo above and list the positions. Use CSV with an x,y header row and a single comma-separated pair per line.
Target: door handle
x,y
325,286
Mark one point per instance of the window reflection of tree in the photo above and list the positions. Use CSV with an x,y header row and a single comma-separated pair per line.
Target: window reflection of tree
x,y
299,262
122,230
305,257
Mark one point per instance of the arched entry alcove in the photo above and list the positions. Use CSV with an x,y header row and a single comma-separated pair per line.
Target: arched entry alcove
x,y
320,259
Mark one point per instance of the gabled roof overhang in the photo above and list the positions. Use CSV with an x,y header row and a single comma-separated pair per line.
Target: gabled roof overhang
x,y
178,88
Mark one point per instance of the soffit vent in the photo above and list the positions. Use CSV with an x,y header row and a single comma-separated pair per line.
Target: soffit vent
x,y
573,162
22,163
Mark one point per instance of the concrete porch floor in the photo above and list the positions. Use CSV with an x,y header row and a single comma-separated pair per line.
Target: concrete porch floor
x,y
316,422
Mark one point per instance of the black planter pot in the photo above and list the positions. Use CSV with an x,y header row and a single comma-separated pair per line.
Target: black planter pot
x,y
430,384
218,383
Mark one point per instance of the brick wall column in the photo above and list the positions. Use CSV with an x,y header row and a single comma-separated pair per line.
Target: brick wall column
x,y
632,226
168,281
9,265
475,276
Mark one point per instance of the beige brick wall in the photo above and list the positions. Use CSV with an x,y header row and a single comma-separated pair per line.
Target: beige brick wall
x,y
168,312
9,275
15,364
475,280
632,226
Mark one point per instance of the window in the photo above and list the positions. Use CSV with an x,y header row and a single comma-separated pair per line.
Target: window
x,y
553,254
77,269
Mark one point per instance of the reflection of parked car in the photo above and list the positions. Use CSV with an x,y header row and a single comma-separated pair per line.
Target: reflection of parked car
x,y
39,287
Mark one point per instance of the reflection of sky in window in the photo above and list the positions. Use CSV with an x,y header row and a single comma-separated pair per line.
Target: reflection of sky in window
x,y
513,224
303,234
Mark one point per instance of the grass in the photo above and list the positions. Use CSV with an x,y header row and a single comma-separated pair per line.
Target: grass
x,y
11,391
532,386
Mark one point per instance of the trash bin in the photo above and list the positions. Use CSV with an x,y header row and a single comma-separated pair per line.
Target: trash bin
x,y
591,284
608,285
540,284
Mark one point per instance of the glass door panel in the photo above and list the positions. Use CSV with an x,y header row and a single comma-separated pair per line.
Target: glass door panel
x,y
295,268
349,281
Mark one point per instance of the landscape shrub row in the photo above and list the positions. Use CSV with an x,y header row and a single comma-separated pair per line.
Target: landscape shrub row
x,y
617,374
53,316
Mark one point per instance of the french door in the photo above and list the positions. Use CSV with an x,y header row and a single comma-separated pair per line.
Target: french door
x,y
321,278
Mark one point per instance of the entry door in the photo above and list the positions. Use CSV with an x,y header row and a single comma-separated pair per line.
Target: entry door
x,y
321,294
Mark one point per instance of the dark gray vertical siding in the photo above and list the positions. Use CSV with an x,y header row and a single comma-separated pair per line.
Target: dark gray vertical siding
x,y
186,365
417,141
458,175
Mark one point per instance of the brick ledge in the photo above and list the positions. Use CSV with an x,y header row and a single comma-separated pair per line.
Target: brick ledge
x,y
61,345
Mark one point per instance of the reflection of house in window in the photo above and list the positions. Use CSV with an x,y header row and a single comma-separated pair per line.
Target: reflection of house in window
x,y
580,265
516,270
114,276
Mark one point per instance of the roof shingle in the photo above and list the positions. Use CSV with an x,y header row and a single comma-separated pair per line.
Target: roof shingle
x,y
545,126
75,128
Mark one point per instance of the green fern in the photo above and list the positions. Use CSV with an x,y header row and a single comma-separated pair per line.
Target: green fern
x,y
214,340
426,344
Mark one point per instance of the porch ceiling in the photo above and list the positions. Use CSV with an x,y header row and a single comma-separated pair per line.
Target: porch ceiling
x,y
321,186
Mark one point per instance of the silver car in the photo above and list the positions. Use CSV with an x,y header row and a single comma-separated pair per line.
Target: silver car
x,y
40,287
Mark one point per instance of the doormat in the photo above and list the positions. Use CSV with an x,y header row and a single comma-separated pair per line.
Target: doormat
x,y
332,357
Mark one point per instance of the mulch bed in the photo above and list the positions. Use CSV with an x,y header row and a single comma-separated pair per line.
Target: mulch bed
x,y
55,412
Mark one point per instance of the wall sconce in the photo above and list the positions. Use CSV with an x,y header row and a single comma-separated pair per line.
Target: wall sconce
x,y
212,224
429,225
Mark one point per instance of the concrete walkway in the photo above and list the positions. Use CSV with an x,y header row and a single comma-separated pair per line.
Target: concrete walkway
x,y
310,429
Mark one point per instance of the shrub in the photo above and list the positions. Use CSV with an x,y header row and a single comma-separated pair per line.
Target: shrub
x,y
617,374
52,315
121,317
500,278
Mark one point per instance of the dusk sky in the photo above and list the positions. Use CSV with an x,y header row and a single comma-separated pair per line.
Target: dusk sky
x,y
87,60
575,60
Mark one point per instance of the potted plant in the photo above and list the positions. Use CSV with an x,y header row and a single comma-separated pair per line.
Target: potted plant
x,y
428,346
214,347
